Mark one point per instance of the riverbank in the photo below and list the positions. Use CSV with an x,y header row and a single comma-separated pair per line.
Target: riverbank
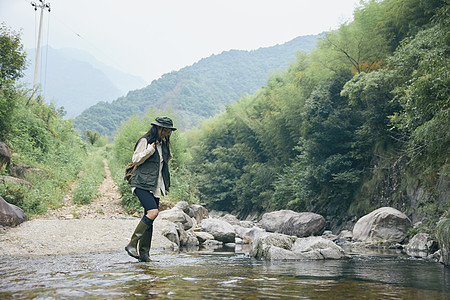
x,y
101,226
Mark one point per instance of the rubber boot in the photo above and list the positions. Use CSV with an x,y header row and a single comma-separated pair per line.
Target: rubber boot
x,y
145,243
139,232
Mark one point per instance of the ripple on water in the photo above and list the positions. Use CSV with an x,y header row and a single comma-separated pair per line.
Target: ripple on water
x,y
218,275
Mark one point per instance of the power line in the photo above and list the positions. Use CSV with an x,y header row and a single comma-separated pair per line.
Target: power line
x,y
42,6
105,55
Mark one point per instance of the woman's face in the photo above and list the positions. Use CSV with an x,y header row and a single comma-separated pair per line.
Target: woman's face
x,y
164,132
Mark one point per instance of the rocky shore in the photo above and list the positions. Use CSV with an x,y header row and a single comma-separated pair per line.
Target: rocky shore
x,y
280,235
103,226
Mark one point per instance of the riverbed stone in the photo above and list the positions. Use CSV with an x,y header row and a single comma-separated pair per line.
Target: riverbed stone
x,y
203,236
273,221
421,245
191,239
247,224
221,230
316,247
272,253
168,229
241,231
263,241
304,224
231,219
386,225
212,244
11,215
184,206
345,234
176,215
293,223
252,234
200,213
329,235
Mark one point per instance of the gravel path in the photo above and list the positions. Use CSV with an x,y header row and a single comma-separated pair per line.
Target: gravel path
x,y
101,226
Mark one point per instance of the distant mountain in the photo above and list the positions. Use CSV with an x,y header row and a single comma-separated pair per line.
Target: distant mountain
x,y
199,91
75,80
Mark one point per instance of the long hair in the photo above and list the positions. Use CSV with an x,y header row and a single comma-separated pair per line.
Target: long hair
x,y
152,136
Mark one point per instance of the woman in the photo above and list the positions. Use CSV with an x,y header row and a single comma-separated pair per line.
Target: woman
x,y
150,180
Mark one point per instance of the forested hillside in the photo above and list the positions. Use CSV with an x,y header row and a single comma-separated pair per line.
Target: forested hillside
x,y
359,123
197,92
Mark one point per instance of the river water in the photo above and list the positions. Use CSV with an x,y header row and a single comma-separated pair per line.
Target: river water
x,y
219,274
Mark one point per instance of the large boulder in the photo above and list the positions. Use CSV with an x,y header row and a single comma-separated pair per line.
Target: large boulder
x,y
184,206
273,221
176,215
231,219
277,253
247,224
221,230
421,245
385,224
189,239
293,223
5,155
264,241
315,247
276,246
168,229
251,234
203,236
10,215
304,224
200,213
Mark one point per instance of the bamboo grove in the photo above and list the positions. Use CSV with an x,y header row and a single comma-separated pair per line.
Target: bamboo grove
x,y
356,124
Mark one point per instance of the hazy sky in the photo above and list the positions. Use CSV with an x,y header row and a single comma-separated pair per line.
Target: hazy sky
x,y
149,38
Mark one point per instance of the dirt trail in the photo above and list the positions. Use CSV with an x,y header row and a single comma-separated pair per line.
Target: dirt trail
x,y
103,225
106,206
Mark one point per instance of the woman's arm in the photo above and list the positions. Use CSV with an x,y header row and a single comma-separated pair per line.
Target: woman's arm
x,y
143,151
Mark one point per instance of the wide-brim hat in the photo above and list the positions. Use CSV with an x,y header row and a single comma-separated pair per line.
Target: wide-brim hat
x,y
165,122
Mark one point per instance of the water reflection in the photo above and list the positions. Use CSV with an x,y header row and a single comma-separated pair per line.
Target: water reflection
x,y
219,273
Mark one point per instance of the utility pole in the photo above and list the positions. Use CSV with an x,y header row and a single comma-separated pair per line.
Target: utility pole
x,y
42,6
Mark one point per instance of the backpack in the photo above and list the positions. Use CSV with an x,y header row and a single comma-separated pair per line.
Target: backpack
x,y
129,170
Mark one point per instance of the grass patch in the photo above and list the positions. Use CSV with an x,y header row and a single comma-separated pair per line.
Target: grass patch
x,y
94,174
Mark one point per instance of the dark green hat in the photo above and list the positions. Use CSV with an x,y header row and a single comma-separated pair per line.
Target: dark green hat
x,y
165,122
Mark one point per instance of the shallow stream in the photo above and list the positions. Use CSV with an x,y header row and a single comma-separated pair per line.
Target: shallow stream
x,y
219,274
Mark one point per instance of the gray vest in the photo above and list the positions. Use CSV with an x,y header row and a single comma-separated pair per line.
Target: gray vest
x,y
146,175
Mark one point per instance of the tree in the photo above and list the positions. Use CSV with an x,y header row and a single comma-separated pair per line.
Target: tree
x,y
91,136
12,55
12,64
358,45
421,68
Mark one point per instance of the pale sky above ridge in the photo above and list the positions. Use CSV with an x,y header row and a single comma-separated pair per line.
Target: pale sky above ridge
x,y
148,38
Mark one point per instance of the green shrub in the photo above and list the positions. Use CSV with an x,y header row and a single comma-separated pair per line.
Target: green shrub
x,y
93,176
129,202
13,193
443,232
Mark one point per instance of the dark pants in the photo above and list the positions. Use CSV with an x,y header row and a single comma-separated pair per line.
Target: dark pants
x,y
147,199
